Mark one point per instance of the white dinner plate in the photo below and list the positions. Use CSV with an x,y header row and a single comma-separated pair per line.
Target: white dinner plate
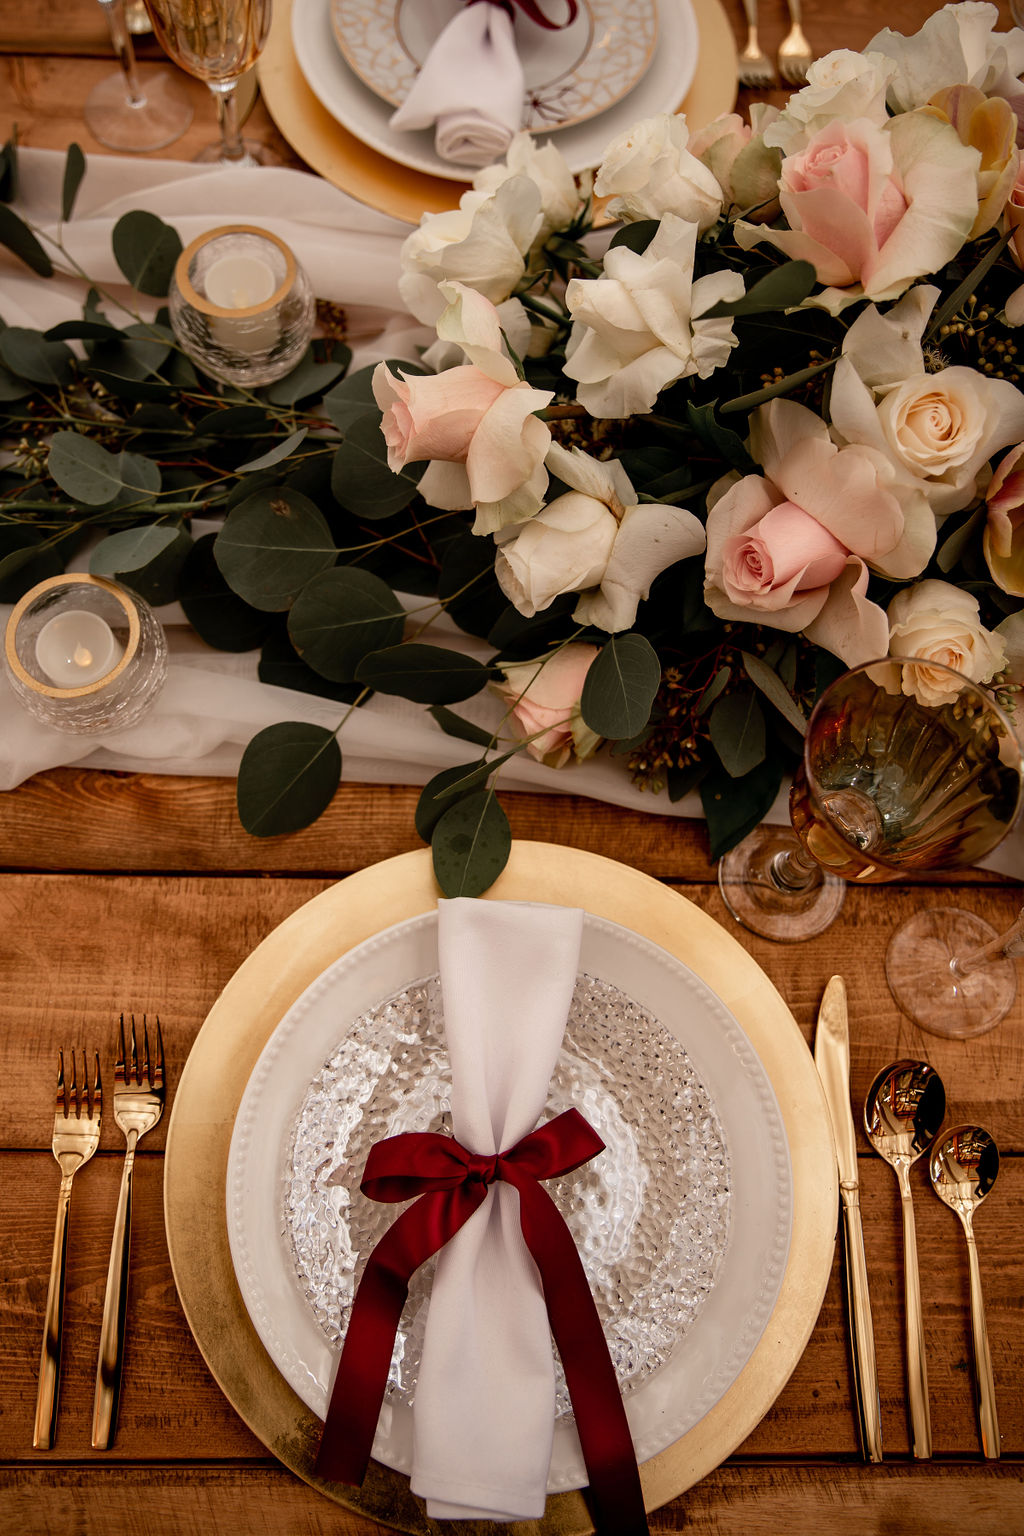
x,y
570,73
721,1337
359,109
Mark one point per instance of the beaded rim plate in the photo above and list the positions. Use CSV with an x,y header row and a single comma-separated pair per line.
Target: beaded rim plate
x,y
249,1009
570,74
712,1350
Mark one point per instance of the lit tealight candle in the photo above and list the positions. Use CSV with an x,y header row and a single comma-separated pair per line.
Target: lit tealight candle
x,y
239,282
76,648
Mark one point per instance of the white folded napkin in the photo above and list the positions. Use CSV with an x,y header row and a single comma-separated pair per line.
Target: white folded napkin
x,y
471,86
483,1417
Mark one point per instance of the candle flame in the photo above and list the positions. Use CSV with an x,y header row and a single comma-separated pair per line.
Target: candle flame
x,y
82,656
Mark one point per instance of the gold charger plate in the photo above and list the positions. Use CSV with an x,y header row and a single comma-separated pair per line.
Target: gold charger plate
x,y
346,162
249,1010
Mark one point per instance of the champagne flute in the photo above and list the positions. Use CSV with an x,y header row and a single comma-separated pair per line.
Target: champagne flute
x,y
123,115
217,41
907,766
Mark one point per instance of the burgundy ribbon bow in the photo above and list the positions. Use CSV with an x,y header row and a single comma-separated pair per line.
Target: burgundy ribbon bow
x,y
451,1184
531,9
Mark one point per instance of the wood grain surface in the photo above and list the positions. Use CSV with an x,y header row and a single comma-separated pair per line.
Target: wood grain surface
x,y
141,893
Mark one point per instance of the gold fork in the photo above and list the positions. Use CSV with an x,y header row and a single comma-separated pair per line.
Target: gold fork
x,y
138,1105
795,57
753,67
76,1136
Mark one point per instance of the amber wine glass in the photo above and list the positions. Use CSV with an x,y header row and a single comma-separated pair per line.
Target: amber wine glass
x,y
217,41
907,767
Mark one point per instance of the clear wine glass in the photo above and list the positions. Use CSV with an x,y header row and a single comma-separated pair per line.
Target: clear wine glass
x,y
217,41
907,767
123,115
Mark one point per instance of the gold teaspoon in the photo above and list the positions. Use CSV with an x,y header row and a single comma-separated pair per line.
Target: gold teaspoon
x,y
963,1168
902,1113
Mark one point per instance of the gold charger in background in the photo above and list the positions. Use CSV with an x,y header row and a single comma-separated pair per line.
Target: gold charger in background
x,y
249,1010
370,177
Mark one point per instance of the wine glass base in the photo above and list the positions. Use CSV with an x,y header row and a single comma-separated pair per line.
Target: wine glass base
x,y
161,116
762,904
255,154
918,970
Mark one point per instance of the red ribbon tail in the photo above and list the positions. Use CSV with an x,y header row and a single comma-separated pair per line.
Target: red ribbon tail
x,y
615,1491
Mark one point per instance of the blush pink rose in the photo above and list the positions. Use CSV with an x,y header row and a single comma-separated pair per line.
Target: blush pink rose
x,y
544,699
435,416
787,552
1003,539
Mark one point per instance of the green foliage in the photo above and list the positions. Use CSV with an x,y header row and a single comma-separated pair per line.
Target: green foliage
x,y
620,686
471,844
287,778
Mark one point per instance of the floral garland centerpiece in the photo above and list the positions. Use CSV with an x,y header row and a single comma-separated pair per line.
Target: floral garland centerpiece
x,y
691,439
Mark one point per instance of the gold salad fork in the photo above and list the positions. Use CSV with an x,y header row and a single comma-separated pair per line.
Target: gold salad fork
x,y
76,1135
795,57
753,67
138,1105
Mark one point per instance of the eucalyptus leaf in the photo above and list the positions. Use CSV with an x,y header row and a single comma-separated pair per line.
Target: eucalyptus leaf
x,y
462,730
620,687
9,168
440,793
471,844
282,450
426,674
360,478
309,377
25,559
952,550
19,239
636,235
287,777
784,287
233,421
12,388
281,665
468,585
340,616
122,553
157,580
718,683
88,473
733,807
354,397
737,730
218,615
74,170
146,250
271,545
82,330
773,688
721,440
28,354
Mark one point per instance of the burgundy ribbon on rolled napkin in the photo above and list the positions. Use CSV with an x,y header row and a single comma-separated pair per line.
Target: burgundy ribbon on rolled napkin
x,y
452,1183
531,9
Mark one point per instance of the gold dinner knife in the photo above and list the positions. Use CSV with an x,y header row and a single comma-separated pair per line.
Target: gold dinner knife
x,y
832,1059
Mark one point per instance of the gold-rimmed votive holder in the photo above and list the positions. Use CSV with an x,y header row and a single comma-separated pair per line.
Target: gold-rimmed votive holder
x,y
241,305
84,654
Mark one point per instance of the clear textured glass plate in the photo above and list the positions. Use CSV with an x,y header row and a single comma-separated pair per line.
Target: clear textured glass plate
x,y
570,74
683,1225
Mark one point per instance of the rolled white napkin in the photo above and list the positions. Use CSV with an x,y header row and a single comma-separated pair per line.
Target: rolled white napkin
x,y
471,86
483,1419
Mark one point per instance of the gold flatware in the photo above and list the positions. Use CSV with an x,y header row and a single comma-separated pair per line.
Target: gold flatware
x,y
902,1115
76,1135
795,57
964,1166
138,1105
753,66
832,1059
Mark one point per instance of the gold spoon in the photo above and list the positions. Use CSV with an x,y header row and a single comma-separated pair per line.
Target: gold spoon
x,y
902,1113
963,1168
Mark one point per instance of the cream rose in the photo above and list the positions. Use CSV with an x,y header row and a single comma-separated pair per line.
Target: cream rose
x,y
648,172
1003,539
546,166
485,445
638,328
940,623
872,208
543,697
841,85
596,540
956,46
938,429
792,548
482,243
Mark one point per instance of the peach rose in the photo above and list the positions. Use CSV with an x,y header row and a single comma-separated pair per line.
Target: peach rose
x,y
485,445
1003,539
544,699
940,623
989,125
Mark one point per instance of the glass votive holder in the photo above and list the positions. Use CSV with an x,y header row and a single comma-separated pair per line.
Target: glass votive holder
x,y
85,655
241,306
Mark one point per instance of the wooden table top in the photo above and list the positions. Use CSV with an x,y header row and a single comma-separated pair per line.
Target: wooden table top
x,y
141,893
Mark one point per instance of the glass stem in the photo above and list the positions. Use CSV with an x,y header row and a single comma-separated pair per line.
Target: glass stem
x,y
1008,943
793,870
121,39
232,149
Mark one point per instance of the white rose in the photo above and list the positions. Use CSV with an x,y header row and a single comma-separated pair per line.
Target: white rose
x,y
842,84
956,46
637,328
649,172
482,243
546,167
937,429
595,540
940,623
